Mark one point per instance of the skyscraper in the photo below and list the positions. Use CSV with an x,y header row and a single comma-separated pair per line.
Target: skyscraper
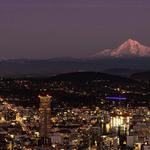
x,y
45,115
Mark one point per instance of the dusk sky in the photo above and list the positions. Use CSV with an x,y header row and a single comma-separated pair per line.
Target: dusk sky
x,y
58,28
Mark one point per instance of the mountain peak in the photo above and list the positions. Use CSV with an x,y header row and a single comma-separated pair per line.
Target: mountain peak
x,y
132,42
130,48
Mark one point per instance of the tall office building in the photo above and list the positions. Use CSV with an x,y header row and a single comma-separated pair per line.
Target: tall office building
x,y
45,115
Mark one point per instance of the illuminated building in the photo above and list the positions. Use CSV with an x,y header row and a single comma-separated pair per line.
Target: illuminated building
x,y
45,115
120,122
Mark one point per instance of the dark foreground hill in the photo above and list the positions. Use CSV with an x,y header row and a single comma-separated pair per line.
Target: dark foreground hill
x,y
74,89
87,76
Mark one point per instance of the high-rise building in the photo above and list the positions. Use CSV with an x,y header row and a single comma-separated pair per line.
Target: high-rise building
x,y
45,115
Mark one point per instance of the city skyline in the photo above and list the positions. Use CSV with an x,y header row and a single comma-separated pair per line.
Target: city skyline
x,y
74,75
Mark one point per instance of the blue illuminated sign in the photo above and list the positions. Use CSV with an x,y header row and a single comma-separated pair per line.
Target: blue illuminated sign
x,y
116,98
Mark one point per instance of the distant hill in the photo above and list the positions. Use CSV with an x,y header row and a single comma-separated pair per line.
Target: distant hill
x,y
145,76
50,67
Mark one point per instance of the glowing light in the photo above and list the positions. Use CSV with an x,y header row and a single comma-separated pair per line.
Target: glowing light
x,y
107,127
53,145
116,98
12,136
116,121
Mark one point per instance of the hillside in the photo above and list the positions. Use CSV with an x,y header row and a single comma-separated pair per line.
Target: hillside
x,y
145,76
88,76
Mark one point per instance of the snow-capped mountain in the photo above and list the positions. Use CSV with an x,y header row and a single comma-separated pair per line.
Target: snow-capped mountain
x,y
130,48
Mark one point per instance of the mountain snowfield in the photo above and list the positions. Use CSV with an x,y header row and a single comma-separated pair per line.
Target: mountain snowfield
x,y
130,48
